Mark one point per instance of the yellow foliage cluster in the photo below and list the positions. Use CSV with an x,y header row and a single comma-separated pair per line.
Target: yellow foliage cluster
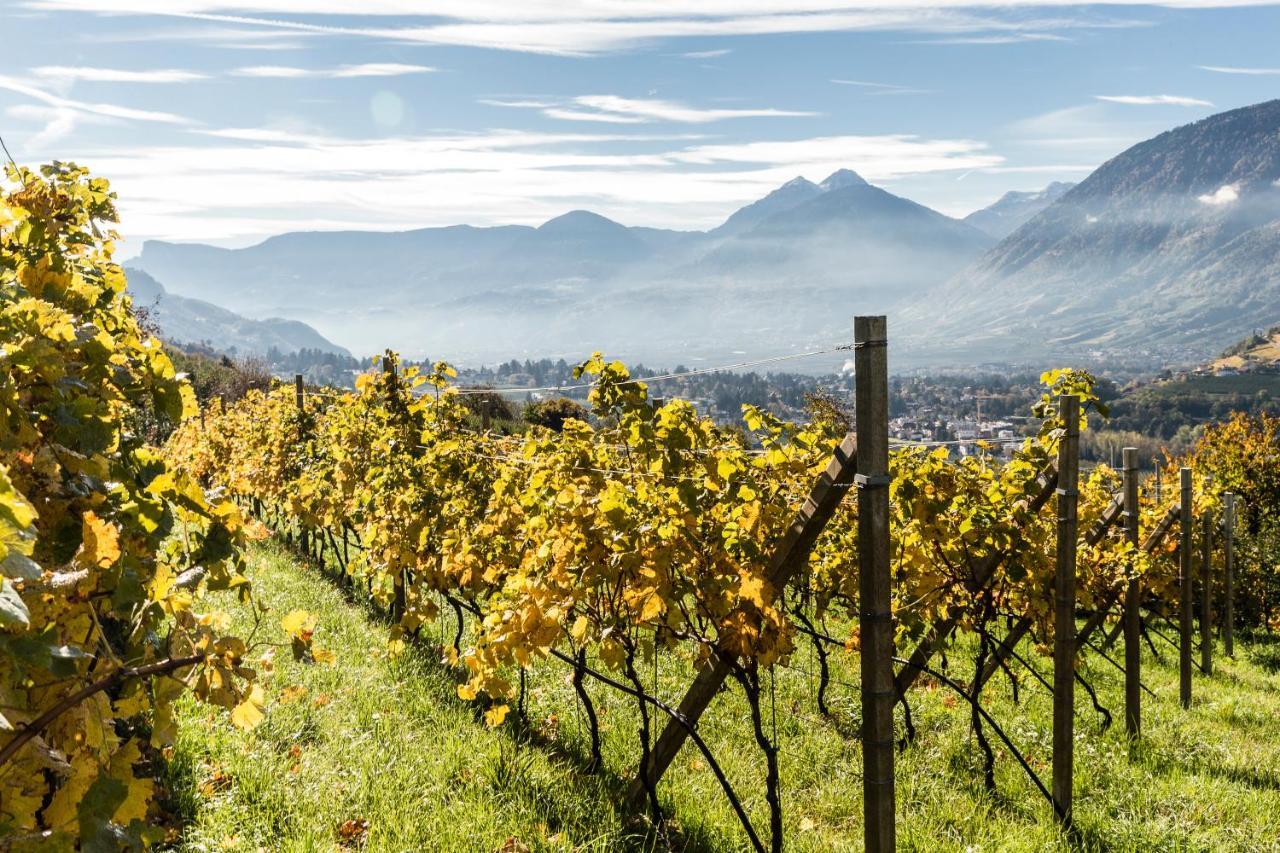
x,y
105,550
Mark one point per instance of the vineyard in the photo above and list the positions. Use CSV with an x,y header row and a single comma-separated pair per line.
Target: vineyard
x,y
644,556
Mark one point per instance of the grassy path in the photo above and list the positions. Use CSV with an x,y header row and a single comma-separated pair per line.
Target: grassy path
x,y
379,753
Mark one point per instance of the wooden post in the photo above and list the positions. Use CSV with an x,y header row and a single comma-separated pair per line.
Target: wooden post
x,y
304,535
875,619
1132,604
1229,572
1157,484
1064,622
1206,588
486,413
1185,600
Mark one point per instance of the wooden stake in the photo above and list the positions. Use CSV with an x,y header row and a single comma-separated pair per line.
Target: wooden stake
x,y
297,391
1229,593
1064,622
1132,604
1206,589
1185,600
875,620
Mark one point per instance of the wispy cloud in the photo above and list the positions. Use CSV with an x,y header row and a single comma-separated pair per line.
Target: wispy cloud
x,y
1222,196
1090,132
655,110
881,88
999,38
596,26
115,75
113,111
59,116
707,54
1155,100
371,69
615,109
1227,69
585,115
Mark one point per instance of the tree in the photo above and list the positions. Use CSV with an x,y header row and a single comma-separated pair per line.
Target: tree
x,y
554,412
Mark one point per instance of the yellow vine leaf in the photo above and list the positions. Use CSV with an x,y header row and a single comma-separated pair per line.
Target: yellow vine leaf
x,y
101,542
297,622
250,712
495,715
752,589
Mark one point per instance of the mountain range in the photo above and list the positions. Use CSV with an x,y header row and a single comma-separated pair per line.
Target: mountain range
x,y
1174,243
184,320
783,272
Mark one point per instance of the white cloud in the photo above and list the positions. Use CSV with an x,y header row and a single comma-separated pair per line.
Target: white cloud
x,y
707,54
584,115
371,69
21,87
594,26
881,88
231,185
1154,100
1006,38
613,109
655,110
57,122
116,75
1226,69
1222,196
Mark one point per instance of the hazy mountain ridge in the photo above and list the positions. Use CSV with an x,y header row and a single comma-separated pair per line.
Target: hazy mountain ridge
x,y
774,271
1015,208
1176,240
183,320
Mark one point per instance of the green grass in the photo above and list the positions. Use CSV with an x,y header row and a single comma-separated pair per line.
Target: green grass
x,y
386,740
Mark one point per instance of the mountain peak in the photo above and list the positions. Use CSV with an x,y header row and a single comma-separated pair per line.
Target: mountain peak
x,y
842,178
798,182
579,222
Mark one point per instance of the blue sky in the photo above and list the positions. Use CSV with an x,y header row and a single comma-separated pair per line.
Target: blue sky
x,y
230,120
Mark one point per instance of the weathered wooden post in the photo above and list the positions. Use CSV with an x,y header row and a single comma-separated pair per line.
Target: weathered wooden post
x,y
304,535
875,620
486,413
399,595
1229,574
1064,621
1206,587
1132,603
1185,600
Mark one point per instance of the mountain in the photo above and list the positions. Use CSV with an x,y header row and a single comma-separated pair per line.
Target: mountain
x,y
849,237
1015,208
1173,243
793,265
791,194
194,321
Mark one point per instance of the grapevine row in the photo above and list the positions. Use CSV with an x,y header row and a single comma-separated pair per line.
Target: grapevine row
x,y
650,529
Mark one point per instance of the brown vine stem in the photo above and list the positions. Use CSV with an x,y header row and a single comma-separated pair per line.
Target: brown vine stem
x,y
40,723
